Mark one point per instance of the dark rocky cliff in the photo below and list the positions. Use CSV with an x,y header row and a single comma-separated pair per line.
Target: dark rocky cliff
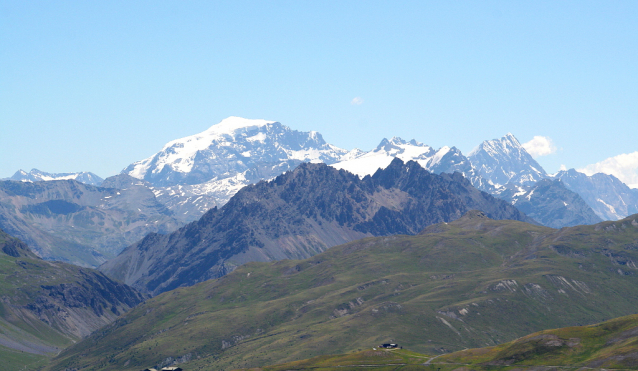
x,y
297,215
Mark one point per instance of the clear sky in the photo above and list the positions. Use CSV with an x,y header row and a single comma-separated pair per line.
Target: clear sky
x,y
96,85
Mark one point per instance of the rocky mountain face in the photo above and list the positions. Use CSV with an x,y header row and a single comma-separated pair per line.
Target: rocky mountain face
x,y
36,175
463,284
79,223
45,306
550,203
610,198
297,215
504,160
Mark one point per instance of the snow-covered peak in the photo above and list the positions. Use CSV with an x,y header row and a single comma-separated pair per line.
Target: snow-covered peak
x,y
232,124
227,131
504,160
36,175
367,163
506,145
233,146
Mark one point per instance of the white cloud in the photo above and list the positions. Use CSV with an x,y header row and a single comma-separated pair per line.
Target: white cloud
x,y
563,167
357,101
540,146
623,167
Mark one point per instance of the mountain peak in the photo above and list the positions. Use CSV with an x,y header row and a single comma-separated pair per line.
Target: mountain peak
x,y
505,160
511,138
236,146
234,123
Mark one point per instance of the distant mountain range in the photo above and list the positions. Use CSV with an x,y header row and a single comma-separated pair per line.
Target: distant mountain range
x,y
198,172
36,175
192,175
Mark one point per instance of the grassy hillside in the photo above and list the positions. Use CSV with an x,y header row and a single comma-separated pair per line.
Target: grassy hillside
x,y
47,306
471,283
609,345
374,359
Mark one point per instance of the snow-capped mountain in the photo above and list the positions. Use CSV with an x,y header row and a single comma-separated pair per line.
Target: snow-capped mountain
x,y
36,175
444,160
504,160
610,198
259,149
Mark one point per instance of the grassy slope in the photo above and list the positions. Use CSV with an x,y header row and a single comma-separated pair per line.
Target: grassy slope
x,y
35,326
610,345
23,332
472,284
375,359
19,360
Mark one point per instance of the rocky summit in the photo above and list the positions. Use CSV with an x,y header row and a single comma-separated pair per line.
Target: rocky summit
x,y
297,215
504,160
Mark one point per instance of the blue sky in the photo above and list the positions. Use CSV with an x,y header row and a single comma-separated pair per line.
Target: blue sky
x,y
94,86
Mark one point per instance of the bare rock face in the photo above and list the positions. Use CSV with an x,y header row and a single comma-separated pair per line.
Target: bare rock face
x,y
550,203
297,215
610,198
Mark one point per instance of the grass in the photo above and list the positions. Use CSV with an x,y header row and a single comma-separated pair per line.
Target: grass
x,y
609,345
18,360
474,284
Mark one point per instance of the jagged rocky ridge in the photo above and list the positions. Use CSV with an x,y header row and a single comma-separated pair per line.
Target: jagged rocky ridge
x,y
297,215
48,305
443,160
